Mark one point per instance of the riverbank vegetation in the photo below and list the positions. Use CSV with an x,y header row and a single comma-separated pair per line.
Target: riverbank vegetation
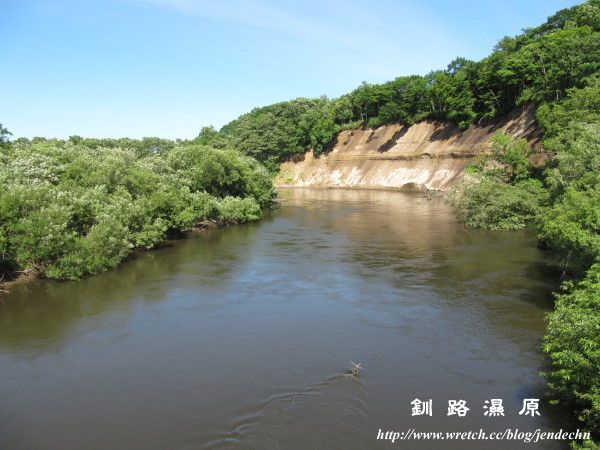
x,y
77,207
563,203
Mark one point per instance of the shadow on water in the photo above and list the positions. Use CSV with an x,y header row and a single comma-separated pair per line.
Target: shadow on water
x,y
42,314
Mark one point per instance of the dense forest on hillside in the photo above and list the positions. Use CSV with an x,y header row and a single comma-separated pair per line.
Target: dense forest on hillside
x,y
70,208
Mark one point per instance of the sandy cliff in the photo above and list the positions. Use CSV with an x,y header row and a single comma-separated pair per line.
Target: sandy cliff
x,y
429,154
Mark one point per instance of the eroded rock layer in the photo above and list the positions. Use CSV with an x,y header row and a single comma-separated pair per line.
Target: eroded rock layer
x,y
429,154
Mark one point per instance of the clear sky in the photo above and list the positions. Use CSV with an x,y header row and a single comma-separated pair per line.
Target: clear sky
x,y
135,68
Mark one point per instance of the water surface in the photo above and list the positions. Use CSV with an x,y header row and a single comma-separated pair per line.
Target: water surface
x,y
241,337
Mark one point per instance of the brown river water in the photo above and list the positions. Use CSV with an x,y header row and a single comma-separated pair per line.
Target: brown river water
x,y
242,337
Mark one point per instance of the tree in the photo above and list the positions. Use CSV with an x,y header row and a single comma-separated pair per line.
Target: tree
x,y
4,138
512,155
572,345
207,136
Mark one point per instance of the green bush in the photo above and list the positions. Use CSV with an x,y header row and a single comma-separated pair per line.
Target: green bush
x,y
572,345
102,248
351,125
374,122
485,203
74,208
238,209
571,228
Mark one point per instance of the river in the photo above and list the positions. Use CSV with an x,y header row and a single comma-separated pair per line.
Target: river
x,y
242,337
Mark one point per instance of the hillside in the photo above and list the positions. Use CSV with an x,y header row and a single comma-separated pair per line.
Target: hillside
x,y
429,154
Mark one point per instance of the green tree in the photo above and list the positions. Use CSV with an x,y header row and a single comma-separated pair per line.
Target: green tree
x,y
4,138
572,345
207,136
513,155
571,228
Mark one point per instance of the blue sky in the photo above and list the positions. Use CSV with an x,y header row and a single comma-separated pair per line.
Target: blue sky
x,y
135,68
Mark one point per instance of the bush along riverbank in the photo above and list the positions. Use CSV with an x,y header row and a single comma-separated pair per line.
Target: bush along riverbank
x,y
78,207
562,201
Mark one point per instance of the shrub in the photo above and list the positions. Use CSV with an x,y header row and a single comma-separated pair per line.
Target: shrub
x,y
571,227
238,209
75,208
573,349
484,203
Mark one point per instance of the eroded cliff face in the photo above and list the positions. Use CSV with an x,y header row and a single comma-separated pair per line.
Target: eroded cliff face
x,y
429,154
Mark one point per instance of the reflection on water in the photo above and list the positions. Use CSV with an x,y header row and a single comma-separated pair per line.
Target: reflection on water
x,y
242,336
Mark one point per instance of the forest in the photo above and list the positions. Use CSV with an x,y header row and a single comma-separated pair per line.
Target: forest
x,y
74,207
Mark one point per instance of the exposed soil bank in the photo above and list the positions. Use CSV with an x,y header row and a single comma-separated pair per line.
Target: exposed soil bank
x,y
429,154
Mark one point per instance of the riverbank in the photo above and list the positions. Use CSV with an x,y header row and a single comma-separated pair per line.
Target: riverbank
x,y
74,209
21,277
429,155
16,279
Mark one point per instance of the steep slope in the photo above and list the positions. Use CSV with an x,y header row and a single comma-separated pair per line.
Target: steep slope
x,y
429,154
